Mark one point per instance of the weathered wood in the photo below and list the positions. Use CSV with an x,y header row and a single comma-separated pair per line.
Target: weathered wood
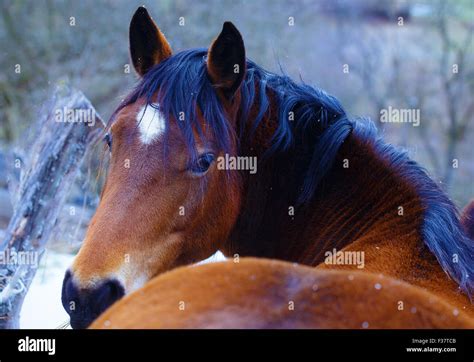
x,y
69,126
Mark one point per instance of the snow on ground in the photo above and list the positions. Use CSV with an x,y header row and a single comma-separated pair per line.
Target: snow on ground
x,y
42,307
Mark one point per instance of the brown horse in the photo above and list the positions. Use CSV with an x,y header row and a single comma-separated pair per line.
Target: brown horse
x,y
183,183
263,293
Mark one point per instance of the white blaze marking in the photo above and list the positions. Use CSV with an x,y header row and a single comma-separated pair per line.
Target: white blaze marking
x,y
151,122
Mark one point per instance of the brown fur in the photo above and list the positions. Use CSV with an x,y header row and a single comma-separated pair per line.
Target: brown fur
x,y
392,243
140,207
258,293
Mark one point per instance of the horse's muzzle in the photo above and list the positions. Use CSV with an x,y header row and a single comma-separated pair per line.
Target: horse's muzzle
x,y
85,305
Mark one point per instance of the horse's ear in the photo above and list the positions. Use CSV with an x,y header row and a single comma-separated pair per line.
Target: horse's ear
x,y
148,45
226,60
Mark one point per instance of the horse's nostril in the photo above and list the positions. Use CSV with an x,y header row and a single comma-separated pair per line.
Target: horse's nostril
x,y
69,292
84,305
107,294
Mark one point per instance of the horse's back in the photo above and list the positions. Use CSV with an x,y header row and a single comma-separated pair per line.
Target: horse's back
x,y
259,293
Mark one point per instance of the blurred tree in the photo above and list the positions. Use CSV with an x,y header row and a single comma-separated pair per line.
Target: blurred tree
x,y
421,63
456,73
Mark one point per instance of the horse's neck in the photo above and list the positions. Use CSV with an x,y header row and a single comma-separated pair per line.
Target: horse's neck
x,y
358,196
369,208
361,205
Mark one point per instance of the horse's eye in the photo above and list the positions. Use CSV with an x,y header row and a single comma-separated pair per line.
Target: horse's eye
x,y
108,140
202,164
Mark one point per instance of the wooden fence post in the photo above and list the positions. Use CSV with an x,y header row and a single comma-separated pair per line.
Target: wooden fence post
x,y
69,126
